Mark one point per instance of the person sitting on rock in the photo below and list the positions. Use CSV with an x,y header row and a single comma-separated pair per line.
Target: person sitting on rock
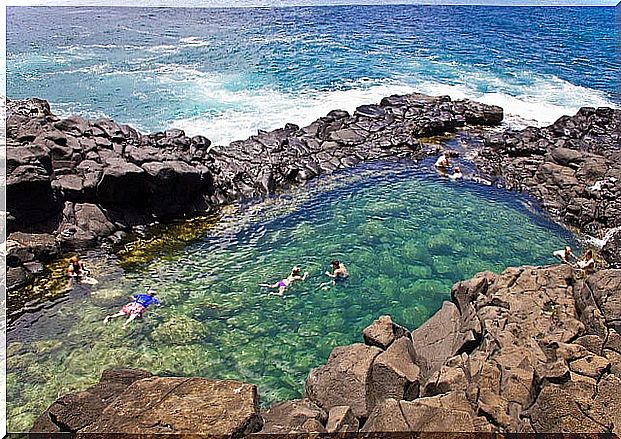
x,y
136,308
76,268
284,283
456,175
564,254
587,263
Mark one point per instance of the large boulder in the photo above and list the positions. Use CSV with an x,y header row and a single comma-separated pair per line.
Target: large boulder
x,y
172,185
382,332
344,380
75,411
292,417
30,198
341,420
439,338
450,413
198,406
123,184
612,249
605,286
394,374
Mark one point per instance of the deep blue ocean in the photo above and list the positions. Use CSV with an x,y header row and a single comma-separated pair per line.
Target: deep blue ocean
x,y
227,72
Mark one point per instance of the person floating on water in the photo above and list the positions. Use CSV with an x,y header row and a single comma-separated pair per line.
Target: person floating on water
x,y
136,308
339,273
284,283
564,254
587,263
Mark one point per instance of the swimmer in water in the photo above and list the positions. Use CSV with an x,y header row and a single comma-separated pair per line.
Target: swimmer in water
x,y
136,308
339,273
456,175
284,283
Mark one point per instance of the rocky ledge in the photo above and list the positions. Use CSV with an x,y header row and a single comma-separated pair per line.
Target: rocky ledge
x,y
74,182
532,350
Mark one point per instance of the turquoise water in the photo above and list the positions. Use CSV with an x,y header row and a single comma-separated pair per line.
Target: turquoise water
x,y
226,72
405,234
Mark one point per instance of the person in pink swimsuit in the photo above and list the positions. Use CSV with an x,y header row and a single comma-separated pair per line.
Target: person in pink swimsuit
x,y
284,283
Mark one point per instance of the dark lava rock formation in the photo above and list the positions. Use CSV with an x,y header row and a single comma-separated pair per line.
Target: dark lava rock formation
x,y
572,166
73,182
531,350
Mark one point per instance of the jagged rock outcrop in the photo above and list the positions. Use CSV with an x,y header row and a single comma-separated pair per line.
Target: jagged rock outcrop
x,y
544,358
83,180
572,166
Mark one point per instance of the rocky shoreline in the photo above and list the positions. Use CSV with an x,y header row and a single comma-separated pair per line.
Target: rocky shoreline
x,y
533,349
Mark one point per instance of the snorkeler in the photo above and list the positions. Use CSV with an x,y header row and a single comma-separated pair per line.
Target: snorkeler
x,y
284,283
136,308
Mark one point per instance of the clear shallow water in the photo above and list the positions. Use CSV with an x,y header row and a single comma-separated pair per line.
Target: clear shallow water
x,y
225,73
405,234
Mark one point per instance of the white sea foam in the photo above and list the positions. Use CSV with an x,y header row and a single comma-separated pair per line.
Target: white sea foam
x,y
539,101
527,98
244,112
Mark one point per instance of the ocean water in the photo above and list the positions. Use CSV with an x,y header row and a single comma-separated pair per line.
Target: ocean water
x,y
405,234
225,73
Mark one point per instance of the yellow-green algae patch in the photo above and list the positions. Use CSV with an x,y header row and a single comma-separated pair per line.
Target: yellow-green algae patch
x,y
48,287
170,238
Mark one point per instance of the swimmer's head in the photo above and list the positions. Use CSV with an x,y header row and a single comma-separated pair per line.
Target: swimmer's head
x,y
73,259
568,249
151,292
456,169
336,263
295,270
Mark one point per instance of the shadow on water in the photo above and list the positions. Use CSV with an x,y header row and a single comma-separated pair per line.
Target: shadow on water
x,y
405,234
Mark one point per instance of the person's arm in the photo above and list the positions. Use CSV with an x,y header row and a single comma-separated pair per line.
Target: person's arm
x,y
330,274
305,275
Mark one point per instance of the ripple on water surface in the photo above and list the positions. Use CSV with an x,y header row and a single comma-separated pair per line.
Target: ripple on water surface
x,y
405,234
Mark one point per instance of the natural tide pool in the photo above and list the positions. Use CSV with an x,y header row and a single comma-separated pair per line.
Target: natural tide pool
x,y
405,234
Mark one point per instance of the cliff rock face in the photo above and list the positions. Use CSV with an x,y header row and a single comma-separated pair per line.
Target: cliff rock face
x,y
83,180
